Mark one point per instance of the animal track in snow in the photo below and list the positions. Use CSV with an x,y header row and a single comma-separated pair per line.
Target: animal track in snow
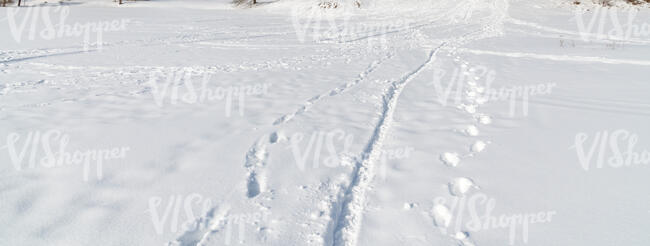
x,y
451,159
463,237
473,98
441,215
469,108
478,146
484,119
460,235
460,186
410,205
481,100
472,130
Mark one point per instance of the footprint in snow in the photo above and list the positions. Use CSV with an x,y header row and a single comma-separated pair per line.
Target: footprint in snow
x,y
460,186
478,146
450,159
277,137
471,130
471,108
484,119
441,215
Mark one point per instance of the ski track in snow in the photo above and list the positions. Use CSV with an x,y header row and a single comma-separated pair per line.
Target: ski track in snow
x,y
564,58
600,105
576,35
184,38
349,219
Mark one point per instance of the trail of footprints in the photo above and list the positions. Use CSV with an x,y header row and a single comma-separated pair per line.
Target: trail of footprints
x,y
341,89
256,160
460,186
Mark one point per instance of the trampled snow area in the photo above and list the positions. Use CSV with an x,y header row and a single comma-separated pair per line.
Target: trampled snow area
x,y
431,122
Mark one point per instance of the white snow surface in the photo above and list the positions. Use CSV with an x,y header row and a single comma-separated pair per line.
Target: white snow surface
x,y
417,122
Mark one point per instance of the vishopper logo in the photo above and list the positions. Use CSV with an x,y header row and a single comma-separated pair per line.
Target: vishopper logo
x,y
335,26
615,148
240,220
180,214
53,144
172,212
331,149
42,25
311,20
375,33
470,82
336,142
449,215
474,87
605,23
177,86
512,93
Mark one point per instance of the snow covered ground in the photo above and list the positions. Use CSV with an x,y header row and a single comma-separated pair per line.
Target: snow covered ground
x,y
417,122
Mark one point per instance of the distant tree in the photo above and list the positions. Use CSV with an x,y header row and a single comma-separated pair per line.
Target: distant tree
x,y
5,2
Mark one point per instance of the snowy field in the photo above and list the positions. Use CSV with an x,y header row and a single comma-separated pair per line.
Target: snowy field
x,y
387,122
